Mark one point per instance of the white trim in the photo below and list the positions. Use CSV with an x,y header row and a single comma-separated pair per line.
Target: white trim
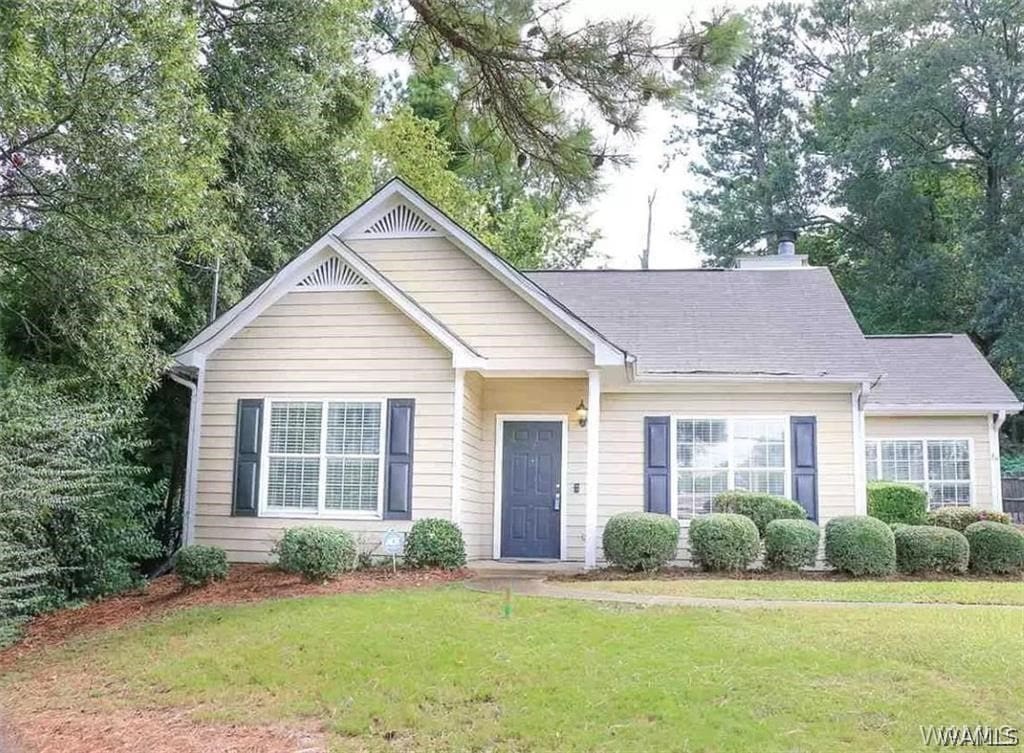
x,y
924,448
191,490
321,512
995,423
458,438
593,462
285,281
730,444
955,409
654,377
860,479
499,421
605,352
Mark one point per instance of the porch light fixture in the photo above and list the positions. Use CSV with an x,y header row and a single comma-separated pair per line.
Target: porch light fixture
x,y
581,413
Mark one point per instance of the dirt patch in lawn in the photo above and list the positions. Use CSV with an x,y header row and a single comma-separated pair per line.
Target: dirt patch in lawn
x,y
245,583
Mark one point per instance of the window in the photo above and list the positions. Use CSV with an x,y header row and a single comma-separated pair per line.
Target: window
x,y
324,457
717,454
942,467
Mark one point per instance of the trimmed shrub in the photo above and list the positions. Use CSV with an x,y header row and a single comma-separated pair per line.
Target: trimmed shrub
x,y
922,549
995,547
897,503
958,518
791,544
724,541
760,508
316,552
640,540
198,565
435,542
860,545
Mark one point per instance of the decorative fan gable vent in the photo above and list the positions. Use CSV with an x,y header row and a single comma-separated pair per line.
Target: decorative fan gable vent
x,y
333,274
401,221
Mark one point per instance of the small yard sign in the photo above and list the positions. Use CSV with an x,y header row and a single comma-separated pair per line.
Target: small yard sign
x,y
393,544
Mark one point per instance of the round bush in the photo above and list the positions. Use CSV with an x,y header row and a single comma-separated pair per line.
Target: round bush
x,y
760,508
198,565
897,503
958,518
860,545
435,542
316,552
724,541
930,549
995,547
791,544
640,540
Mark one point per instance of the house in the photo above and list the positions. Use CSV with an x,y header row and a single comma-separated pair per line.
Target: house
x,y
398,369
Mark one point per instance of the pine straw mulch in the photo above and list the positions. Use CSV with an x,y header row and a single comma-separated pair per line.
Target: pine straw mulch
x,y
244,584
68,709
688,573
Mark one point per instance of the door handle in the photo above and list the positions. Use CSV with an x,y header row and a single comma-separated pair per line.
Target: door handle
x,y
558,497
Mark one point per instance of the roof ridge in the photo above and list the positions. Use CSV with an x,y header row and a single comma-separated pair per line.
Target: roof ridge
x,y
638,271
922,336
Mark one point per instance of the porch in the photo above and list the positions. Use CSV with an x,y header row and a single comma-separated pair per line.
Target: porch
x,y
524,474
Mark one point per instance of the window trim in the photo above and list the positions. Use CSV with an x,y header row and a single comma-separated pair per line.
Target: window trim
x,y
731,469
924,444
322,513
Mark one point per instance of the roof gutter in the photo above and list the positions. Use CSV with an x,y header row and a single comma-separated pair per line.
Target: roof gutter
x,y
940,409
662,377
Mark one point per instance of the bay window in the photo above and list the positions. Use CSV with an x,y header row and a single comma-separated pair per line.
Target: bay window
x,y
324,457
714,455
942,467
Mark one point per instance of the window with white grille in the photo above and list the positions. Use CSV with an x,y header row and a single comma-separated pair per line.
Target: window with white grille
x,y
717,454
942,467
324,457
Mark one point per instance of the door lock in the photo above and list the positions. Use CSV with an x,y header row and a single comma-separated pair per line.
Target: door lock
x,y
558,497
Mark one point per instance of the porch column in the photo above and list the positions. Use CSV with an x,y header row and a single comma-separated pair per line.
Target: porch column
x,y
458,429
593,439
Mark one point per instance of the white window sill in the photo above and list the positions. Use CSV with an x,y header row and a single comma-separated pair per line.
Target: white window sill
x,y
340,515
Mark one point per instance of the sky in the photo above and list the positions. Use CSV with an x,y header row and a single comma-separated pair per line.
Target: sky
x,y
620,213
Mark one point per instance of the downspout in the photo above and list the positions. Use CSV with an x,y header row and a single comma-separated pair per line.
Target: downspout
x,y
995,424
188,511
858,398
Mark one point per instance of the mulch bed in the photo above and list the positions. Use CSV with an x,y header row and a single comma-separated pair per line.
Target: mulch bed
x,y
245,583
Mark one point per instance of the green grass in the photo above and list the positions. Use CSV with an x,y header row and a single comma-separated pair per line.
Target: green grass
x,y
442,670
937,592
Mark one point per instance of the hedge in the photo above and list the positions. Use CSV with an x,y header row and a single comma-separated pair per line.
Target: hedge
x,y
640,540
435,542
930,549
860,545
958,518
791,544
316,552
995,547
724,541
760,508
198,565
897,503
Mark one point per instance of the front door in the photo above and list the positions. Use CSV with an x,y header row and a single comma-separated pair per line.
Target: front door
x,y
531,489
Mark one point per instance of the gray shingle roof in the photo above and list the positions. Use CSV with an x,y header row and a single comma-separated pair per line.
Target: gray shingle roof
x,y
935,370
770,322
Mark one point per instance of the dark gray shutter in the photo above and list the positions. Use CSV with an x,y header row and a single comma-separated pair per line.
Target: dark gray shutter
x,y
248,437
657,445
805,463
398,462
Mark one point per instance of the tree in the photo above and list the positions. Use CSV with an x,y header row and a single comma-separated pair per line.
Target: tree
x,y
106,156
755,177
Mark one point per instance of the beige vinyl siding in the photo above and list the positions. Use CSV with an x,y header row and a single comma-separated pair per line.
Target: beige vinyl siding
x,y
555,397
320,345
471,302
621,469
974,428
476,518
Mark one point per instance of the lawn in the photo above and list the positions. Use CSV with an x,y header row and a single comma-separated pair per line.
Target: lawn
x,y
933,592
443,670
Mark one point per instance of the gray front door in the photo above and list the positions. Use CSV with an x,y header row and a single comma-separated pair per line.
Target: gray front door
x,y
531,492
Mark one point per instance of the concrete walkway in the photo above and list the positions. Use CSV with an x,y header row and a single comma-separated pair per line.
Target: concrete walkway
x,y
554,590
